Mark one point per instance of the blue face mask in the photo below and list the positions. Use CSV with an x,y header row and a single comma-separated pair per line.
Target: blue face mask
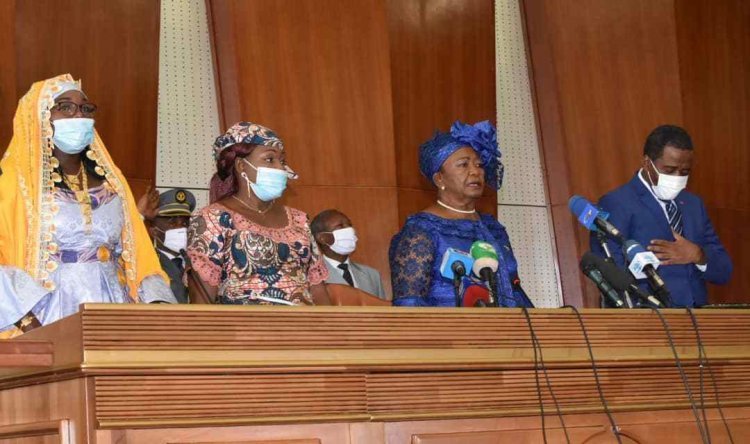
x,y
270,183
73,135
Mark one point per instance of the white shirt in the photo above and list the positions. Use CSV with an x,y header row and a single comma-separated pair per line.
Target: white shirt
x,y
663,206
661,203
335,264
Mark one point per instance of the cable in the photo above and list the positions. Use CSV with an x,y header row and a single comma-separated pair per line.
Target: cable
x,y
702,352
615,428
536,374
668,331
701,390
537,361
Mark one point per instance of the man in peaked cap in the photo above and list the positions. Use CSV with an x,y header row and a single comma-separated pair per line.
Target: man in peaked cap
x,y
169,220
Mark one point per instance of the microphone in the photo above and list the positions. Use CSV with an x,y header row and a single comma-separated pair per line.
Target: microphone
x,y
476,296
590,265
593,218
643,265
448,265
485,266
623,281
453,266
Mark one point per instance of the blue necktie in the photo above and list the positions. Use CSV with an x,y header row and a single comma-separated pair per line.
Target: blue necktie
x,y
674,215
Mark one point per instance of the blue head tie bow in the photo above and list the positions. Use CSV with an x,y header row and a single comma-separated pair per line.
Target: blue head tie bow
x,y
481,137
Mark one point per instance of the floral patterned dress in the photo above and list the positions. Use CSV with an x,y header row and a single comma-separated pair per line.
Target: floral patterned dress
x,y
253,264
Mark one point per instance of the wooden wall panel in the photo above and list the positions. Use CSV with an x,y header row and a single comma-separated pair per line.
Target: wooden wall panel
x,y
442,69
372,210
606,73
64,400
113,47
599,92
714,50
353,88
8,98
317,72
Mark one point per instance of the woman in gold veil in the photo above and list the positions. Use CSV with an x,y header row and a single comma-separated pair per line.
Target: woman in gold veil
x,y
70,232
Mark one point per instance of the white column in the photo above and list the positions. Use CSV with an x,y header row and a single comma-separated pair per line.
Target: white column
x,y
522,202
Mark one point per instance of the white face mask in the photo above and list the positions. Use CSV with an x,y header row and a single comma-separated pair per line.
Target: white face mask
x,y
270,183
344,241
73,135
176,239
668,186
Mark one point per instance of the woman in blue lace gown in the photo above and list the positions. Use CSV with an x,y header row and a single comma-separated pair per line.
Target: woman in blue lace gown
x,y
459,163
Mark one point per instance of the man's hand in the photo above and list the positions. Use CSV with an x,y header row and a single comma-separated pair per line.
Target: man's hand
x,y
681,251
148,204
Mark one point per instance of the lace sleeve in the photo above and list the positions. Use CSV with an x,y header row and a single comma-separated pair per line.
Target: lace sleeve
x,y
411,257
154,288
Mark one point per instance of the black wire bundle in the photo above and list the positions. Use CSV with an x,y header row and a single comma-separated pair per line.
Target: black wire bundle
x,y
539,361
704,432
703,362
613,424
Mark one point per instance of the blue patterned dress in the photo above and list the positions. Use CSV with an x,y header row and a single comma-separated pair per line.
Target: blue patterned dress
x,y
417,251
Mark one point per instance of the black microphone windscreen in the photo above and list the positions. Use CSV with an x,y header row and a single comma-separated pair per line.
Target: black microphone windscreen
x,y
620,279
458,268
589,260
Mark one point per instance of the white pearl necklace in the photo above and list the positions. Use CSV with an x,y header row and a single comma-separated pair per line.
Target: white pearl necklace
x,y
446,206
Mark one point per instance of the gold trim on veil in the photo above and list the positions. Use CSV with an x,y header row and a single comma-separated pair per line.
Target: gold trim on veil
x,y
27,204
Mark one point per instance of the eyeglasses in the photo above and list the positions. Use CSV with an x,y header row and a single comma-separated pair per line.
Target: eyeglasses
x,y
70,109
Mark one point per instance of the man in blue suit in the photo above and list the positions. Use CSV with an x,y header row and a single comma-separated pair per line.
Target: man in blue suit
x,y
655,210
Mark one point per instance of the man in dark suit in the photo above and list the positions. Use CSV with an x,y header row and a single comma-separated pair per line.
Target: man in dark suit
x,y
655,210
337,240
168,222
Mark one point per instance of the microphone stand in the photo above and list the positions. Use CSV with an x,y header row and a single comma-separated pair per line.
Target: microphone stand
x,y
492,284
602,239
458,288
459,271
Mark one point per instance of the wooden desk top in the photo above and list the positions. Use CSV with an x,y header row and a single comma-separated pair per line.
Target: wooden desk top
x,y
157,364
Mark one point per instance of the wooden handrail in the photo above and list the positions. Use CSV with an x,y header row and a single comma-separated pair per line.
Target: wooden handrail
x,y
23,353
45,428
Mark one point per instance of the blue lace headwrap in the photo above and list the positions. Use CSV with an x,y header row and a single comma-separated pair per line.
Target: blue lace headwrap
x,y
481,137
